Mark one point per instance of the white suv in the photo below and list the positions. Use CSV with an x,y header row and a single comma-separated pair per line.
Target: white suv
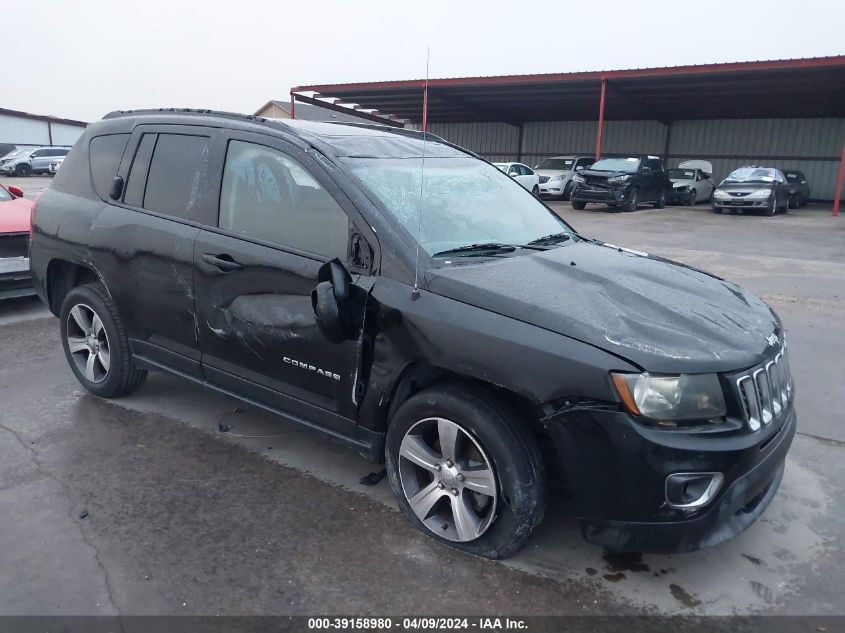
x,y
556,174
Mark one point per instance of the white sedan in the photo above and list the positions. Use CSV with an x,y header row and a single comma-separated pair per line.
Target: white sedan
x,y
523,174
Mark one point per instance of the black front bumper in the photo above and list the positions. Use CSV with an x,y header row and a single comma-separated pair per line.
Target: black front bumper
x,y
601,195
617,473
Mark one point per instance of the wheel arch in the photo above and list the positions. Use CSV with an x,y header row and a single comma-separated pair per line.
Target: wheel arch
x,y
62,277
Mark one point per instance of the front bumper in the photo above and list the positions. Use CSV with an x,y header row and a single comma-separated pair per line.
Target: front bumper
x,y
603,195
15,278
678,196
553,189
756,204
617,470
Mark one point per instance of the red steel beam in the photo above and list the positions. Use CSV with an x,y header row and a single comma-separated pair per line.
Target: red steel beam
x,y
840,180
292,105
601,119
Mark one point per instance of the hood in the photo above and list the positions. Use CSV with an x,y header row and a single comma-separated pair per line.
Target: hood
x,y
662,316
553,172
14,215
603,174
743,188
678,183
704,165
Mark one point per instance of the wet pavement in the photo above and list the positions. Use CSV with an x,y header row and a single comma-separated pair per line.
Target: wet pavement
x,y
143,506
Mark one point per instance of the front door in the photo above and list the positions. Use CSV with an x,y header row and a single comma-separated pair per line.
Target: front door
x,y
279,221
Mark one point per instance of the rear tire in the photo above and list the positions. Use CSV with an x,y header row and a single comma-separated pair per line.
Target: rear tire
x,y
578,205
95,343
464,436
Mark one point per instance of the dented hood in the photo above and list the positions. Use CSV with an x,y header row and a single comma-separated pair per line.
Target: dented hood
x,y
660,315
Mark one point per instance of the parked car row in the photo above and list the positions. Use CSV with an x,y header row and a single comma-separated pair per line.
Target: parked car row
x,y
30,161
626,182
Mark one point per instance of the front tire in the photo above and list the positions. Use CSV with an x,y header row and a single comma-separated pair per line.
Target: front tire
x,y
23,170
536,191
465,470
95,343
633,200
693,195
567,191
661,200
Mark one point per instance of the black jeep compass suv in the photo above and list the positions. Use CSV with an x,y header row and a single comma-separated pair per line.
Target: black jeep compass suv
x,y
432,314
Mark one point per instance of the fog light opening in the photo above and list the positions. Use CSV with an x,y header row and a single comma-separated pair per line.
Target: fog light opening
x,y
692,490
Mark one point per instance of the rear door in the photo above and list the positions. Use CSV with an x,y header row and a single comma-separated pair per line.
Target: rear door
x,y
280,219
146,238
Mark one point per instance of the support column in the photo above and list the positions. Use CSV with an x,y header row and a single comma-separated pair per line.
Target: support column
x,y
519,142
425,108
840,180
601,119
668,144
292,105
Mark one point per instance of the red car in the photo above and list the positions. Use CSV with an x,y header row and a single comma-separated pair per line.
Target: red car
x,y
15,210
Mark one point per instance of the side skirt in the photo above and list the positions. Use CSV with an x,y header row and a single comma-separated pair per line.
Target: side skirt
x,y
369,444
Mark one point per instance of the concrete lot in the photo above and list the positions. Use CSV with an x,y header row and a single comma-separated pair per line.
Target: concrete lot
x,y
180,518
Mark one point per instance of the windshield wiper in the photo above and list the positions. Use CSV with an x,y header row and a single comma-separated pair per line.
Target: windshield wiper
x,y
485,247
554,238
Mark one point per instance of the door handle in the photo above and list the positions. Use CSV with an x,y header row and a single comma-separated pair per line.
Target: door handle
x,y
223,262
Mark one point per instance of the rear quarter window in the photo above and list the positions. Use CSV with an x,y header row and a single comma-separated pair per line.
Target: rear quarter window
x,y
105,153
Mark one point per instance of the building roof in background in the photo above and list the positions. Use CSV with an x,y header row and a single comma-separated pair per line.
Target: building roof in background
x,y
810,87
42,117
312,112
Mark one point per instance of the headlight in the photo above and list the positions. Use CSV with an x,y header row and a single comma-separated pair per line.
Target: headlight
x,y
578,178
617,179
721,195
760,193
556,178
672,398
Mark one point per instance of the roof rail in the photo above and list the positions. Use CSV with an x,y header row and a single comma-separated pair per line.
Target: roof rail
x,y
195,111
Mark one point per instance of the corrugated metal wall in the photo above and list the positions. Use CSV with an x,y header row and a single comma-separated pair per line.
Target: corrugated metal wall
x,y
811,145
16,130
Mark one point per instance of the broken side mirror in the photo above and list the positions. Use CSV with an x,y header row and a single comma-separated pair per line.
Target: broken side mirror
x,y
333,311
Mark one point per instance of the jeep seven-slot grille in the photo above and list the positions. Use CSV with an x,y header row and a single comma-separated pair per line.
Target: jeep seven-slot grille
x,y
14,245
765,391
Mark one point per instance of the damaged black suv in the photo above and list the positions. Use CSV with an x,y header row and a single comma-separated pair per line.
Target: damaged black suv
x,y
433,315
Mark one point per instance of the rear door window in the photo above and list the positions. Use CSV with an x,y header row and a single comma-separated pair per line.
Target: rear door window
x,y
137,178
174,173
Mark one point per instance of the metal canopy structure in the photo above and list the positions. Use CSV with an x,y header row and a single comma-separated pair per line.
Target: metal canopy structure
x,y
767,89
777,89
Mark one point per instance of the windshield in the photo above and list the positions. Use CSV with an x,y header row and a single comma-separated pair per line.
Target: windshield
x,y
5,196
560,164
681,174
792,177
753,174
502,166
18,153
465,201
629,165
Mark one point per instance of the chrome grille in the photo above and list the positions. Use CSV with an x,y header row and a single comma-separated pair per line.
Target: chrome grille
x,y
765,391
544,179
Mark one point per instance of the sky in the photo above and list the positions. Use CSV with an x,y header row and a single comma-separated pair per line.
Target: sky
x,y
80,59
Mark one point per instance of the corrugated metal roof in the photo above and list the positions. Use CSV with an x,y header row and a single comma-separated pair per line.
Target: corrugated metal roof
x,y
766,88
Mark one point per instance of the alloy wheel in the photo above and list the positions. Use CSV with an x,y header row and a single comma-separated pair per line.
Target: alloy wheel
x,y
88,343
447,479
